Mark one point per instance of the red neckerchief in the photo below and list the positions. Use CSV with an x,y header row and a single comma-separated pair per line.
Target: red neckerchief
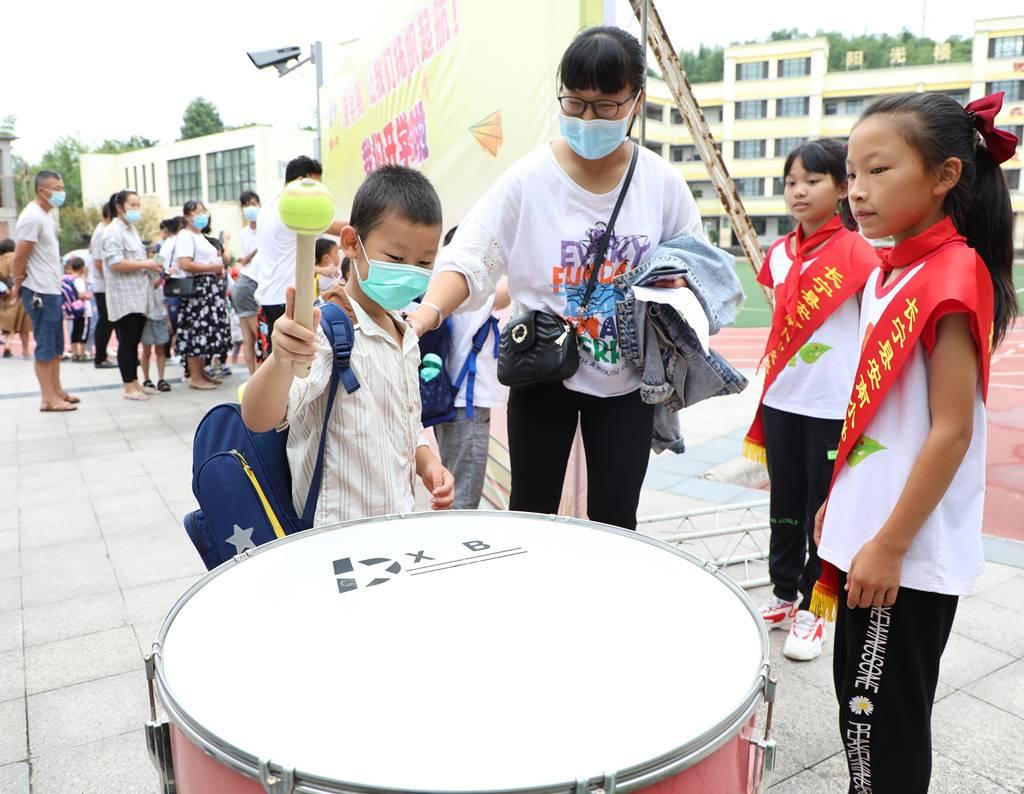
x,y
916,248
805,246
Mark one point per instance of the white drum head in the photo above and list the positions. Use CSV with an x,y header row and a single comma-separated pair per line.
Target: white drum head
x,y
455,652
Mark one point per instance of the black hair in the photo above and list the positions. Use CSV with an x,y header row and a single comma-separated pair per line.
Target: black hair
x,y
395,189
346,265
118,200
45,174
106,211
824,156
605,59
76,263
450,235
173,225
323,247
300,167
6,246
938,127
247,196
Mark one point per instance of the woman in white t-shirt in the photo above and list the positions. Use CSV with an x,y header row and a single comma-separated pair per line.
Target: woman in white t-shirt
x,y
535,225
203,329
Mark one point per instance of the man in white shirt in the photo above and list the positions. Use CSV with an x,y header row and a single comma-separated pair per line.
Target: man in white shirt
x,y
37,276
275,248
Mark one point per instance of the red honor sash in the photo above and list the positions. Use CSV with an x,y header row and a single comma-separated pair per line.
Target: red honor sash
x,y
805,300
953,280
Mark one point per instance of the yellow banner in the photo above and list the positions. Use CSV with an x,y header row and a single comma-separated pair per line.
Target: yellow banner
x,y
459,89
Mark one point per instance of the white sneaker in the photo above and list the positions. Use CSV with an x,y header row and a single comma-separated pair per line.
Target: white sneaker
x,y
775,612
805,637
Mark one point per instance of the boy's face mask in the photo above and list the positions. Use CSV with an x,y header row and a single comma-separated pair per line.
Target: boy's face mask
x,y
391,285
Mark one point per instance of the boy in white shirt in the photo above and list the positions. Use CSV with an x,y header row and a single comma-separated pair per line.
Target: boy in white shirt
x,y
375,446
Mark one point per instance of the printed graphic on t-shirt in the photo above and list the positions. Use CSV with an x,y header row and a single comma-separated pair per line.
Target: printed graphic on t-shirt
x,y
809,353
600,341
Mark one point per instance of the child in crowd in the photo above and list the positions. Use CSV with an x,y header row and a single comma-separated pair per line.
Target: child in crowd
x,y
77,305
465,441
156,337
901,538
375,445
328,264
816,272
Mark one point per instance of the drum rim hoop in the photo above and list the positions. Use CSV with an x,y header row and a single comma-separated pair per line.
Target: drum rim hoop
x,y
644,774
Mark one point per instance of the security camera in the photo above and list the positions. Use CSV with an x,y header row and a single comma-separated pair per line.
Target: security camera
x,y
278,58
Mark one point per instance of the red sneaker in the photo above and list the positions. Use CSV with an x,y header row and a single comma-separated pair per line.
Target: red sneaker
x,y
775,612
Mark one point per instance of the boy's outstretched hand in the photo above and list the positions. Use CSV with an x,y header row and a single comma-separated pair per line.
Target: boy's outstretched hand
x,y
291,341
441,484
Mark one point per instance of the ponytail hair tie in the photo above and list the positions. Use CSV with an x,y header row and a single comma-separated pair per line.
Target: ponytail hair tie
x,y
1000,144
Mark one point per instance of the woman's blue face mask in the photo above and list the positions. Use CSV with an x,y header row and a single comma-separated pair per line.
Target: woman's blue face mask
x,y
593,139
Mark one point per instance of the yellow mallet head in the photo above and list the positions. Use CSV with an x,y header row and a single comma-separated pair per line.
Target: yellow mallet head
x,y
306,206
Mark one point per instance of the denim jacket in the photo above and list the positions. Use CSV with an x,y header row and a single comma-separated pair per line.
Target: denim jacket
x,y
660,344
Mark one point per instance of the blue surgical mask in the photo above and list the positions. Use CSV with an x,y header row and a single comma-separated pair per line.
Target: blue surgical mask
x,y
57,198
391,285
595,138
132,216
250,213
200,221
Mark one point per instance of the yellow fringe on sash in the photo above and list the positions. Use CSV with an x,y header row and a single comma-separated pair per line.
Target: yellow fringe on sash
x,y
755,452
825,602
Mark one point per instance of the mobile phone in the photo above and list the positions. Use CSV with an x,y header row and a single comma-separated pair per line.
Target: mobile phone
x,y
37,302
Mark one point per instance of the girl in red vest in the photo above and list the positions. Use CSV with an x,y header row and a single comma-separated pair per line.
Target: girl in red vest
x,y
816,272
901,537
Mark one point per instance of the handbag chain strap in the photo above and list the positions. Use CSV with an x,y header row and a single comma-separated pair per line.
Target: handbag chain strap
x,y
602,246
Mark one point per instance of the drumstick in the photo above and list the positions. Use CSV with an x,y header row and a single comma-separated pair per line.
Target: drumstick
x,y
307,208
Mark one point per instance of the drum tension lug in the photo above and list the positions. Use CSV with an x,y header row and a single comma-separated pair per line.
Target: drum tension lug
x,y
158,742
282,782
607,786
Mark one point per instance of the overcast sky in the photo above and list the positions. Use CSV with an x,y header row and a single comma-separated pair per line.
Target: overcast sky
x,y
111,70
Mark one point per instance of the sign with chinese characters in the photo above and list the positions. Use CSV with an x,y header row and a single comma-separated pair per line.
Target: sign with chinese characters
x,y
855,59
898,56
459,89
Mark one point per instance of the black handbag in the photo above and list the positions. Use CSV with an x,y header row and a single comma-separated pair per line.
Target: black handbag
x,y
179,286
540,347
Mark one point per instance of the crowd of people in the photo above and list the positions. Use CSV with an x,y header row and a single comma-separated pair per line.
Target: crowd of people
x,y
876,363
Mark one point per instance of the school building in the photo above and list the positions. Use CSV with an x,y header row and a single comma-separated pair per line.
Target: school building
x,y
214,169
778,94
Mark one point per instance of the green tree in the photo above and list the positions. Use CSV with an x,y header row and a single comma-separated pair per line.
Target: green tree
x,y
201,118
63,157
707,65
76,227
115,146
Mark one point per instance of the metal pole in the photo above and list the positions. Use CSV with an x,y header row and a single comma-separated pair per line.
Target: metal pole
x,y
643,40
318,59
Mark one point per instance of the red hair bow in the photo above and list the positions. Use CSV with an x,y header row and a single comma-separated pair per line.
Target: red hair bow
x,y
1001,145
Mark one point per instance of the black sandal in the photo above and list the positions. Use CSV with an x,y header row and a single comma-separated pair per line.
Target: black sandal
x,y
162,385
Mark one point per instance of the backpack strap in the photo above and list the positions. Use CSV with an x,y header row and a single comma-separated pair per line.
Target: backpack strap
x,y
340,333
468,371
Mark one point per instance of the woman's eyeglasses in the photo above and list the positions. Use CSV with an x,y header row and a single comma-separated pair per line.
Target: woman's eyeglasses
x,y
603,108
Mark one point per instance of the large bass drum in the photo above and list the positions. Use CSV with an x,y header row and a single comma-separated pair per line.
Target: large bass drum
x,y
461,652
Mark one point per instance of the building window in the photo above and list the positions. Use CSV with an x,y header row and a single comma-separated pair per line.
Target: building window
x,y
749,150
230,172
684,153
792,106
1006,47
654,146
145,183
757,70
794,67
783,146
713,114
135,178
127,182
702,190
1014,89
1012,179
183,180
851,106
778,186
760,225
655,112
677,116
1015,129
750,186
152,175
785,224
752,109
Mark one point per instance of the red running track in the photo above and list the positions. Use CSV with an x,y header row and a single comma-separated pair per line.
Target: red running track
x,y
1004,498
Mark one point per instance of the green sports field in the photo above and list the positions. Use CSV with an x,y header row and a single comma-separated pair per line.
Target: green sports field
x,y
756,314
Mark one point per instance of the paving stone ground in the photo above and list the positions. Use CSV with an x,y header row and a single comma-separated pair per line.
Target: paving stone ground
x,y
92,556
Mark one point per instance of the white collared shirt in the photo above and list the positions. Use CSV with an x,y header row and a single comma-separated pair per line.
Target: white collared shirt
x,y
372,437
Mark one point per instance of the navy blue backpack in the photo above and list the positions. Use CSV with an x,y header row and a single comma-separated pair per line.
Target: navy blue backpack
x,y
436,394
468,371
241,479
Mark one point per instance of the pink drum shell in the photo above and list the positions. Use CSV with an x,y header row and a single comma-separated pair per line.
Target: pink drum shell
x,y
726,771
